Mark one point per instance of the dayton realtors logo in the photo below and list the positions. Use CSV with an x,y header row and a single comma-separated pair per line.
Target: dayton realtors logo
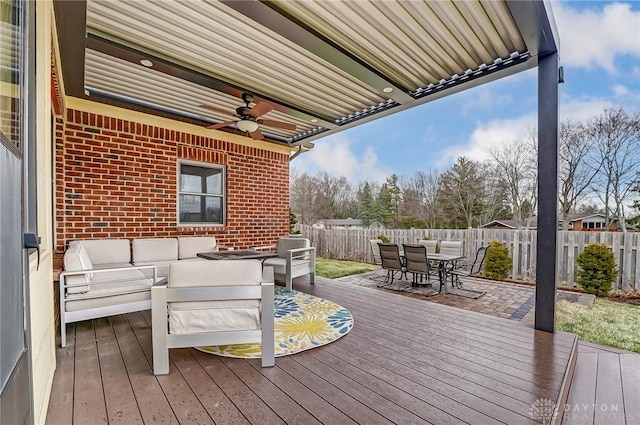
x,y
546,410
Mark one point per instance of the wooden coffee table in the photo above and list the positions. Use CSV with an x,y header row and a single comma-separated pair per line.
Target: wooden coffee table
x,y
247,254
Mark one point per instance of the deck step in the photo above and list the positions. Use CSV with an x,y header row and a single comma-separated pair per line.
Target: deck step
x,y
605,389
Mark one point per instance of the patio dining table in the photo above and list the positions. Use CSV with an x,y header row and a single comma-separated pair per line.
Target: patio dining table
x,y
443,260
246,254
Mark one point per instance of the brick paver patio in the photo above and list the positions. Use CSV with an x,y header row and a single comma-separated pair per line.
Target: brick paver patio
x,y
502,299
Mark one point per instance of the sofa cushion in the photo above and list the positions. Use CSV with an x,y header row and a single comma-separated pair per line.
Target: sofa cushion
x,y
162,267
190,246
108,251
209,316
118,282
280,265
88,303
285,244
76,258
152,250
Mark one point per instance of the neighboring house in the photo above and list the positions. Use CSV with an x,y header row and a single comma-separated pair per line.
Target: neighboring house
x,y
345,223
340,223
578,222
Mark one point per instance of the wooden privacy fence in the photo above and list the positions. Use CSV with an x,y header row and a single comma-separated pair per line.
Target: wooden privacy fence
x,y
353,244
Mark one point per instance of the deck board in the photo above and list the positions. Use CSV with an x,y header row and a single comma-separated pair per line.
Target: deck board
x,y
630,369
405,361
89,403
119,398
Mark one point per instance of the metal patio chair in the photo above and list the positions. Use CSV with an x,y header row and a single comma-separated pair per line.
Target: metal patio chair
x,y
391,262
473,269
417,263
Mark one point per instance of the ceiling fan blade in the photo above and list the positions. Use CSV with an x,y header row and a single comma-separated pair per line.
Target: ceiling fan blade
x,y
216,109
256,135
260,108
278,124
220,125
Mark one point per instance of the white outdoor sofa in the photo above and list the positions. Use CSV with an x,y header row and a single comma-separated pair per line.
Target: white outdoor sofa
x,y
213,303
100,280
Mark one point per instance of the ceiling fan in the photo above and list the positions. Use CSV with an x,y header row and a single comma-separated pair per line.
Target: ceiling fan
x,y
249,121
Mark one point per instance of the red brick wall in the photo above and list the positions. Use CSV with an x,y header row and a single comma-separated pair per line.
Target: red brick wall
x,y
117,179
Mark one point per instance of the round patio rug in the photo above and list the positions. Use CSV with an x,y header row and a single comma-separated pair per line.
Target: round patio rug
x,y
302,322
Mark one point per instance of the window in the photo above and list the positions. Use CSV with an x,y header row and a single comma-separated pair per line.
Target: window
x,y
201,190
11,78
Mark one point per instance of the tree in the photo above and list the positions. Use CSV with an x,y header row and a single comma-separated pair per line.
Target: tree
x,y
515,163
616,137
366,205
420,199
636,203
304,192
496,205
389,202
575,168
461,193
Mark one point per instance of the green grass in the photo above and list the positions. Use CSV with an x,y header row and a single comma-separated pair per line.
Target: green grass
x,y
605,322
334,269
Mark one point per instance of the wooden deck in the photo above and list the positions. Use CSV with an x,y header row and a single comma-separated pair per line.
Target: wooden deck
x,y
605,388
405,361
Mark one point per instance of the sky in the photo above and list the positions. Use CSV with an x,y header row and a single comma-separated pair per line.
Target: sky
x,y
600,54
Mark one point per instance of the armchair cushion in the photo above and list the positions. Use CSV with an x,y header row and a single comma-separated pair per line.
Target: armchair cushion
x,y
280,265
210,316
285,244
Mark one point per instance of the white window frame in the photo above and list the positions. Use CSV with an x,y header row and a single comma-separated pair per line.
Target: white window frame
x,y
223,196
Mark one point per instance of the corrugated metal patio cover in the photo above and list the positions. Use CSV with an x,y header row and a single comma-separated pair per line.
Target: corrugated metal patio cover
x,y
324,65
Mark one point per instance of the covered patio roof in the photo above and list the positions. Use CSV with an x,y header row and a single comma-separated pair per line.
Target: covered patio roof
x,y
324,66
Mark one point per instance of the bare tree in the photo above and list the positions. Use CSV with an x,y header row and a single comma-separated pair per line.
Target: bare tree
x,y
421,197
515,163
616,137
576,169
303,197
496,201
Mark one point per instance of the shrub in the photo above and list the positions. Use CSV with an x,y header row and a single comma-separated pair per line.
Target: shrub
x,y
383,238
596,269
497,262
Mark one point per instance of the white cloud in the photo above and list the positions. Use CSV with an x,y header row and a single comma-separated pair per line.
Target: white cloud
x,y
493,133
593,38
583,108
334,155
488,135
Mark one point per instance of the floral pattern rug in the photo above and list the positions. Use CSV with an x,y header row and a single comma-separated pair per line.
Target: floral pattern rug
x,y
302,322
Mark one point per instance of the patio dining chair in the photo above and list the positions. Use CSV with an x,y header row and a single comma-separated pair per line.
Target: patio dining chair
x,y
430,245
391,262
375,250
473,269
417,263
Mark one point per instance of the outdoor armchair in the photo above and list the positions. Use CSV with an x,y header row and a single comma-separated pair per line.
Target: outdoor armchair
x,y
213,303
296,257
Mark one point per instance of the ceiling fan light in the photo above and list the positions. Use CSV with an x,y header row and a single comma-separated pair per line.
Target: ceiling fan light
x,y
247,126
